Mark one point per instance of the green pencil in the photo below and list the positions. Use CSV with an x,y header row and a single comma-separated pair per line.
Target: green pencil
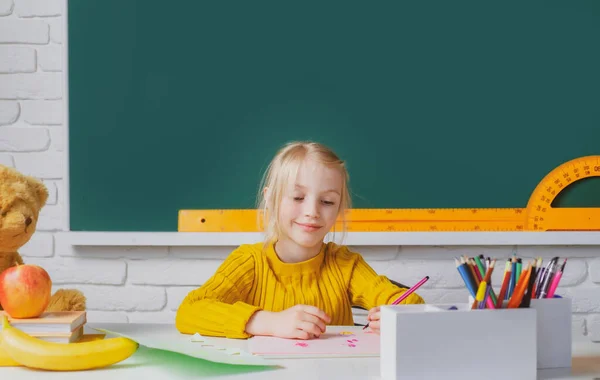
x,y
482,271
519,267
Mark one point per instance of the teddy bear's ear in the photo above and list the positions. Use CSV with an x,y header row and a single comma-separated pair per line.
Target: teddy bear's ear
x,y
40,190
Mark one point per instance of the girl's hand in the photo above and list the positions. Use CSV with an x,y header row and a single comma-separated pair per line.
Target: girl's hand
x,y
297,322
300,321
374,319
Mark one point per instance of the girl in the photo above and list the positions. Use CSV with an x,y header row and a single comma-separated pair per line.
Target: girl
x,y
293,284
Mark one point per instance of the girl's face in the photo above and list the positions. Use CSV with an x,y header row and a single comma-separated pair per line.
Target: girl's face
x,y
309,207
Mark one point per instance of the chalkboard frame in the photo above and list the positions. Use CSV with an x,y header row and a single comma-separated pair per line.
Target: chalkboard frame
x,y
169,238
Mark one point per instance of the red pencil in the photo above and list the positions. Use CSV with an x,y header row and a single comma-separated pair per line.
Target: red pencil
x,y
504,287
475,269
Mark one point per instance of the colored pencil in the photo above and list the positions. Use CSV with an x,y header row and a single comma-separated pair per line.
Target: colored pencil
x,y
504,288
480,266
540,280
517,296
410,291
548,278
526,302
488,298
519,270
469,266
488,279
407,293
556,280
480,295
482,272
513,282
540,272
488,273
465,273
475,270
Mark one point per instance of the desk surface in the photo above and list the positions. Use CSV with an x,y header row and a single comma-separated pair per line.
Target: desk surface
x,y
151,364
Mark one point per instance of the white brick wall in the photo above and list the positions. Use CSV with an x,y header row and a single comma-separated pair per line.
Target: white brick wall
x,y
9,110
146,284
6,7
17,59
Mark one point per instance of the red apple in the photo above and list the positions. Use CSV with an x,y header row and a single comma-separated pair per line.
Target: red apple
x,y
25,291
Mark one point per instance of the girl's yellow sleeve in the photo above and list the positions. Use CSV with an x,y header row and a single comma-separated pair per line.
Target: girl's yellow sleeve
x,y
367,289
219,307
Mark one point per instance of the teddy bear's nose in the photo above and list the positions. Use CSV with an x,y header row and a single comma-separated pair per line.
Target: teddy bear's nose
x,y
28,221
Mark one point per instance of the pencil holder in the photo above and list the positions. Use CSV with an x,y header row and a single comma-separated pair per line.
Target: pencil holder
x,y
553,331
452,341
554,335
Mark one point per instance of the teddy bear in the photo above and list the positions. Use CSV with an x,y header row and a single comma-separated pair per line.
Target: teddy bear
x,y
21,199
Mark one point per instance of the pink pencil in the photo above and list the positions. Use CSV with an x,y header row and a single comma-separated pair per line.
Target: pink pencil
x,y
410,291
556,280
406,294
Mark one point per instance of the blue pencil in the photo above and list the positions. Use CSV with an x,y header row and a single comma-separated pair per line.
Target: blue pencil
x,y
465,273
513,278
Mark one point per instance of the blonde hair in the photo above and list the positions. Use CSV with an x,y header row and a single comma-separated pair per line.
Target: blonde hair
x,y
283,167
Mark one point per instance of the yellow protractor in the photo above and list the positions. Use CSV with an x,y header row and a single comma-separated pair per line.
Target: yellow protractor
x,y
537,216
541,216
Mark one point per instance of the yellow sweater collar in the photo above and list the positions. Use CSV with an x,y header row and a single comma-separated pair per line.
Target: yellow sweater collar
x,y
289,269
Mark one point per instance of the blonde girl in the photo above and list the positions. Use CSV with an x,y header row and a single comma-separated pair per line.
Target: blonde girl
x,y
293,284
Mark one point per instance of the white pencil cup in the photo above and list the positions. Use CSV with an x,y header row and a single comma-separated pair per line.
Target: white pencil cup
x,y
554,335
433,342
553,331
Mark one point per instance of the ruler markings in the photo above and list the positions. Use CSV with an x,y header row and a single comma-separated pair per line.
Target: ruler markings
x,y
538,215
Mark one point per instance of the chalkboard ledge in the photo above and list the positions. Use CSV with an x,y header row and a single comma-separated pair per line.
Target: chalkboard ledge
x,y
570,238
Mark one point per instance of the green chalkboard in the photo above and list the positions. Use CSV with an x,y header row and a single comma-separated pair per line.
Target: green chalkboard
x,y
181,104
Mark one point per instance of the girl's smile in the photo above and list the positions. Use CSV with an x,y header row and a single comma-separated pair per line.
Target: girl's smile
x,y
309,227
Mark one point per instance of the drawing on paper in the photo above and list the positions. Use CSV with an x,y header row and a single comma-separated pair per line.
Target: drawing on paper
x,y
334,342
352,342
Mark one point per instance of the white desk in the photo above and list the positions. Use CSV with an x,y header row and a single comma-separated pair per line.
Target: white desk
x,y
150,364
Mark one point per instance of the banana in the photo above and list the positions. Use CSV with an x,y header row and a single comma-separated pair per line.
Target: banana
x,y
37,353
5,360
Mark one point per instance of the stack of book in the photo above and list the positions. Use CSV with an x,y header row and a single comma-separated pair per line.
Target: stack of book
x,y
60,326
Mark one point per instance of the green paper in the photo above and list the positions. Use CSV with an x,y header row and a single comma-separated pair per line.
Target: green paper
x,y
175,365
182,344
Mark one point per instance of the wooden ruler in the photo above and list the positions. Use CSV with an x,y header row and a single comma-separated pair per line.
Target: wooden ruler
x,y
538,215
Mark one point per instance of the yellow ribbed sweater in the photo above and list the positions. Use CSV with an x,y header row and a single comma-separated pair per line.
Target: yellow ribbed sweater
x,y
252,278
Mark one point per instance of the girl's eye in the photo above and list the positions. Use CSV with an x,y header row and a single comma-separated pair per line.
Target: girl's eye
x,y
298,198
329,203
